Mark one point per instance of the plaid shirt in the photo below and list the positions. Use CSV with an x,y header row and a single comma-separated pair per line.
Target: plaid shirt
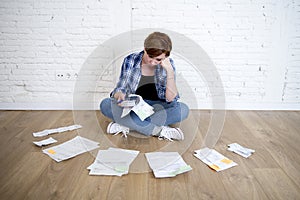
x,y
131,74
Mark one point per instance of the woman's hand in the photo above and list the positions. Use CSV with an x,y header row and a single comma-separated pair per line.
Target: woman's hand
x,y
119,96
166,64
171,89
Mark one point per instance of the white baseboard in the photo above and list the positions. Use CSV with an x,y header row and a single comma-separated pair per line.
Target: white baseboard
x,y
263,106
36,106
229,106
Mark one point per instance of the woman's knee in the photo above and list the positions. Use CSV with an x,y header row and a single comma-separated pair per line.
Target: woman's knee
x,y
184,110
105,105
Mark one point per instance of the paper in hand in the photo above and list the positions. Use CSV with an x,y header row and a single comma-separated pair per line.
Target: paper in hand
x,y
142,109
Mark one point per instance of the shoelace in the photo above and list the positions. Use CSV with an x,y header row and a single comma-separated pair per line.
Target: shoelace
x,y
166,137
124,133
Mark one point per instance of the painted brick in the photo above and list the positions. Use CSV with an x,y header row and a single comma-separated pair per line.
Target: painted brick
x,y
40,37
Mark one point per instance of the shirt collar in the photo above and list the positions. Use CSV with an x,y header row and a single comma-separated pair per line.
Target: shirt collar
x,y
139,59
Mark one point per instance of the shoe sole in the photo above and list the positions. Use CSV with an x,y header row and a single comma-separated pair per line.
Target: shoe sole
x,y
181,134
108,128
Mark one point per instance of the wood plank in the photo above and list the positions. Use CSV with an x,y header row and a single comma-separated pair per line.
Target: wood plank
x,y
284,126
279,185
202,182
59,179
241,177
268,129
270,173
22,176
237,129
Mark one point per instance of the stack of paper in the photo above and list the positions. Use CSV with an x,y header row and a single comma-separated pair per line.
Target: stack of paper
x,y
242,151
142,109
56,130
113,161
214,159
71,148
166,164
45,142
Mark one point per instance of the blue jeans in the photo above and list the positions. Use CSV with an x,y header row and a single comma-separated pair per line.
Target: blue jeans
x,y
166,113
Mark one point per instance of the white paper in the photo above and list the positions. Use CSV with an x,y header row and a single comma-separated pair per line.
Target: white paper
x,y
214,159
113,161
240,150
45,142
166,164
56,130
128,103
109,169
71,148
142,109
126,111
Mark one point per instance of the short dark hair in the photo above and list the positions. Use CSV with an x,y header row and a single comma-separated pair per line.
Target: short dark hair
x,y
157,43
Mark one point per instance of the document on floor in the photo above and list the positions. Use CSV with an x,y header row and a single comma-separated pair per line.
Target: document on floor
x,y
56,130
240,150
45,142
214,159
167,164
142,109
113,162
71,148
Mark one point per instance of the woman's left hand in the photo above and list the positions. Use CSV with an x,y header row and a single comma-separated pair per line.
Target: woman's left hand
x,y
166,64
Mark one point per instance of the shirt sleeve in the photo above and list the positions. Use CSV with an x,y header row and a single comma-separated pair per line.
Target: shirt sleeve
x,y
123,79
162,82
174,68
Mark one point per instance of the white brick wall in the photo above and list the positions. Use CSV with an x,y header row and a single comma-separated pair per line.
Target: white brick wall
x,y
255,46
291,88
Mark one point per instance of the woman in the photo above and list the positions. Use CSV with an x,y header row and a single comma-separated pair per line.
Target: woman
x,y
150,74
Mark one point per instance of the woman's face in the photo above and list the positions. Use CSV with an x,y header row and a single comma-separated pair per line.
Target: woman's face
x,y
153,60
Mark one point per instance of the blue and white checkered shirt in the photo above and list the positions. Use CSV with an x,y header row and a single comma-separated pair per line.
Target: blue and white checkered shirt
x,y
131,74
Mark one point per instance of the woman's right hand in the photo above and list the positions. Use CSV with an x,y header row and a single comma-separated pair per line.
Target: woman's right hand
x,y
119,96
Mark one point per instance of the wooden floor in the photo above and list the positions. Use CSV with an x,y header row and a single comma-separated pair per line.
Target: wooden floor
x,y
272,172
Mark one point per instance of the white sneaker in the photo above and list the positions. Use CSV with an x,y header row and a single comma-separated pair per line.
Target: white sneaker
x,y
171,133
115,128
